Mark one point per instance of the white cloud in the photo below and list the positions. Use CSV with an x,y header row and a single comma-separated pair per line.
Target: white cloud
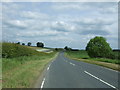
x,y
60,0
33,15
49,25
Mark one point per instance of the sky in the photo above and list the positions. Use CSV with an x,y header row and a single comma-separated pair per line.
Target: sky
x,y
60,24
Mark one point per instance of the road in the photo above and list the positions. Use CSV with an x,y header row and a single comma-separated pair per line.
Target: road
x,y
66,73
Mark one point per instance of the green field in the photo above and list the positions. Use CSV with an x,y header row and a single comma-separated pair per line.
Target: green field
x,y
21,70
78,54
83,56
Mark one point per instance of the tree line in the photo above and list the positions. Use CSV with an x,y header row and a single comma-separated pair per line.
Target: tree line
x,y
38,44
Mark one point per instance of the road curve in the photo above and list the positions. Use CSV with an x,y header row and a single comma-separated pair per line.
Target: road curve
x,y
66,73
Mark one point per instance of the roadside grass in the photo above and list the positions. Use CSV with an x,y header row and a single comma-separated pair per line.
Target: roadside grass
x,y
83,56
22,65
78,54
0,66
0,73
22,72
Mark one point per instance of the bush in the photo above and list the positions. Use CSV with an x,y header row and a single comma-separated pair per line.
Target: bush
x,y
10,50
40,44
98,47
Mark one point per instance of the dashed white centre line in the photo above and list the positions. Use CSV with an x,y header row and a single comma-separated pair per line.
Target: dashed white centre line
x,y
48,67
72,64
43,83
100,79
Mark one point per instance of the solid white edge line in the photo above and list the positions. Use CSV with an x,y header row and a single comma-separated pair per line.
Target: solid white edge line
x,y
100,79
110,69
43,83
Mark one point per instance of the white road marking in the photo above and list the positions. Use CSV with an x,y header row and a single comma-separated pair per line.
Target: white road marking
x,y
110,69
48,67
72,64
100,79
43,83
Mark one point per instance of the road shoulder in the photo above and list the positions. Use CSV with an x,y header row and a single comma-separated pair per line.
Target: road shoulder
x,y
111,66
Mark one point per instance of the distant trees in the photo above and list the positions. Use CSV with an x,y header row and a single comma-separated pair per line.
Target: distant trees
x,y
23,43
18,43
98,47
56,49
67,48
40,44
29,43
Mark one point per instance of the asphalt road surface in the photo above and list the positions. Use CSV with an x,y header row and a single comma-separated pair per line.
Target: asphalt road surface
x,y
66,73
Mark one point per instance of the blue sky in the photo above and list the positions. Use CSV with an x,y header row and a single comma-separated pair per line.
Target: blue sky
x,y
58,24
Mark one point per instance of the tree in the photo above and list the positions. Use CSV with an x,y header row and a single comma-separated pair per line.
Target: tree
x,y
29,43
23,43
66,47
56,49
40,44
98,47
18,43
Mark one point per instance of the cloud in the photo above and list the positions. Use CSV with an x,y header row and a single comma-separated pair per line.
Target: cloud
x,y
15,24
33,15
56,23
103,7
95,32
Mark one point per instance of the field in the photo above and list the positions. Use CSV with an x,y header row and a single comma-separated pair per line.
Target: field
x,y
83,56
22,71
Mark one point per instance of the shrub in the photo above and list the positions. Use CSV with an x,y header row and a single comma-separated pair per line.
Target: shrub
x,y
40,44
98,47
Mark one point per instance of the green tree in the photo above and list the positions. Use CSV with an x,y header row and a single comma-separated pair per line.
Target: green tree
x,y
40,44
66,47
18,43
23,43
56,49
29,43
98,47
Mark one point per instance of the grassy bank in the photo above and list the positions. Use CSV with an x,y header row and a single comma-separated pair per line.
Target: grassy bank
x,y
0,73
83,56
22,71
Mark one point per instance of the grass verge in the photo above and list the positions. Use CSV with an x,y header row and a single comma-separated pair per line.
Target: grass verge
x,y
83,56
23,71
0,73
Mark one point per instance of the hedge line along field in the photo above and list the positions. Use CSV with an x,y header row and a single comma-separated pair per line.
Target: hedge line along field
x,y
83,56
22,65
